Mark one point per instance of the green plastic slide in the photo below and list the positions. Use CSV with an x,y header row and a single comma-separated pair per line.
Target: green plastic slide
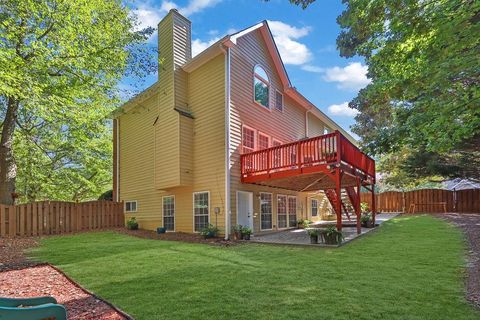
x,y
31,309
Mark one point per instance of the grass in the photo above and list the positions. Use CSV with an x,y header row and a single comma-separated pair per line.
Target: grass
x,y
411,268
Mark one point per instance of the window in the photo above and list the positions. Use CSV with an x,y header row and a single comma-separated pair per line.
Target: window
x,y
314,207
260,84
169,213
265,211
326,130
282,211
248,139
263,141
292,212
278,101
131,206
201,208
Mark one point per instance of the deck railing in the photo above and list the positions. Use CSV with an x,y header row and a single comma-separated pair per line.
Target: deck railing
x,y
306,153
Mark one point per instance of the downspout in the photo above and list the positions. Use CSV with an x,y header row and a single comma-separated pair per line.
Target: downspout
x,y
306,123
227,143
117,160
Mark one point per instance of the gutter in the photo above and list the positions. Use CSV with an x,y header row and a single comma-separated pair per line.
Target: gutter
x,y
117,160
228,212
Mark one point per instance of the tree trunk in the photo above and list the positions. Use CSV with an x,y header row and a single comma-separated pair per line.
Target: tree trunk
x,y
8,167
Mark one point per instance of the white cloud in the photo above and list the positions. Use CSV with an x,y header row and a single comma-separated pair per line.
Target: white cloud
x,y
291,51
314,69
352,77
199,45
149,15
195,6
342,110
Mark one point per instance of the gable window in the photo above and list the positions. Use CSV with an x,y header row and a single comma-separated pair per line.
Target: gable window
x,y
314,207
201,209
169,213
326,130
248,139
261,87
263,141
278,101
131,206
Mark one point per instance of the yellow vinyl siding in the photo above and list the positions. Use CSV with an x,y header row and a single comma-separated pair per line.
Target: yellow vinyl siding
x,y
315,126
136,152
206,92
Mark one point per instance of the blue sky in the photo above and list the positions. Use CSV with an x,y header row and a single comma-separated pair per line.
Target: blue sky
x,y
305,38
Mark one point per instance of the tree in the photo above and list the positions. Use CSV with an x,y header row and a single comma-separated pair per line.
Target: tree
x,y
61,61
424,99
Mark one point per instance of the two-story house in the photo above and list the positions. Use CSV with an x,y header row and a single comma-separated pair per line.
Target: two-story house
x,y
224,138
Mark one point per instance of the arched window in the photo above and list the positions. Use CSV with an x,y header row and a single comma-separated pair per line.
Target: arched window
x,y
261,86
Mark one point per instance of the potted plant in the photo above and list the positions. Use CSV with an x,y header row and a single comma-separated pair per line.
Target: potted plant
x,y
246,232
132,224
331,235
313,233
209,232
366,220
300,224
161,230
237,232
306,223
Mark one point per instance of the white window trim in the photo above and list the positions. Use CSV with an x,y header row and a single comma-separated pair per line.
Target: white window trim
x,y
283,100
286,210
193,209
131,211
260,202
260,133
174,213
254,76
311,207
254,137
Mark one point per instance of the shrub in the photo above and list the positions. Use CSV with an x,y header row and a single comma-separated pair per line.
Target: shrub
x,y
331,235
210,231
132,224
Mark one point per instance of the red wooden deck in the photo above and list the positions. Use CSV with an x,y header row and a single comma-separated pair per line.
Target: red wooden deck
x,y
328,162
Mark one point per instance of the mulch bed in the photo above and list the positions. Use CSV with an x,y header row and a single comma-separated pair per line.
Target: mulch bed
x,y
176,236
45,280
12,253
470,224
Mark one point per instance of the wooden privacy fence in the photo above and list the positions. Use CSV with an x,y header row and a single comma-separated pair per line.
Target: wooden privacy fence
x,y
56,217
426,200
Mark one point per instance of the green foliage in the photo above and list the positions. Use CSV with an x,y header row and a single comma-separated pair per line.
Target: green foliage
x,y
107,195
331,235
132,224
312,232
398,270
210,231
246,231
366,217
364,207
424,98
61,63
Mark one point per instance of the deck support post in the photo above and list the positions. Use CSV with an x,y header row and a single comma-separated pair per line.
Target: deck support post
x,y
357,207
374,207
338,191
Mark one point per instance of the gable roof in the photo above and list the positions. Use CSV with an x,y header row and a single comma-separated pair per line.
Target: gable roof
x,y
231,40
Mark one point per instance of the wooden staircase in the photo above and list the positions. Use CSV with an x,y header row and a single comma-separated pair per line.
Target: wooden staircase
x,y
346,198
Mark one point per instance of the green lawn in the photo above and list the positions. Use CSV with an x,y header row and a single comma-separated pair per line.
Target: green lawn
x,y
411,268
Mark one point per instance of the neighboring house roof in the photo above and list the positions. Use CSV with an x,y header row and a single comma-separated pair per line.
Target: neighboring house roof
x,y
230,41
461,184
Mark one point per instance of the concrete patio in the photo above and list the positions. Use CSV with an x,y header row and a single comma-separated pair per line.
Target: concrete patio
x,y
300,236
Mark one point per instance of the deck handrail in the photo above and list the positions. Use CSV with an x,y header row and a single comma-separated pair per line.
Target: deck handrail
x,y
313,151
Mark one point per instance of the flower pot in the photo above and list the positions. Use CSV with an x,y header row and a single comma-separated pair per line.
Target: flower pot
x,y
369,224
237,235
246,237
331,238
313,239
161,230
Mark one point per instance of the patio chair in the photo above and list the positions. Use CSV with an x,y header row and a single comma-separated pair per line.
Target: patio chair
x,y
31,309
